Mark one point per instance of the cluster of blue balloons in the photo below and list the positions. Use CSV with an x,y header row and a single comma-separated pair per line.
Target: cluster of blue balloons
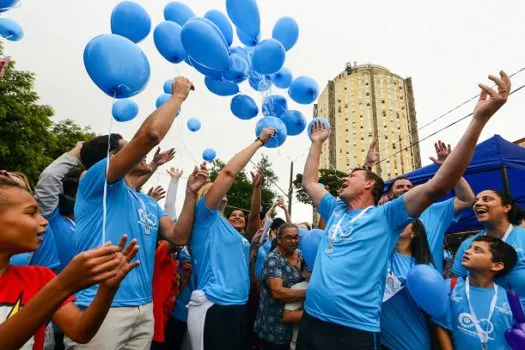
x,y
9,29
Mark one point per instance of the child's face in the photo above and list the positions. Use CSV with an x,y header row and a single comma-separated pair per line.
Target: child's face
x,y
479,258
21,225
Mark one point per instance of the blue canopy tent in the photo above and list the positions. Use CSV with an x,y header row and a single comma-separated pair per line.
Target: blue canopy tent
x,y
497,164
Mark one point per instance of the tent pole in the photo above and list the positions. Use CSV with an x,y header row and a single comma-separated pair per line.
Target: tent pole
x,y
505,179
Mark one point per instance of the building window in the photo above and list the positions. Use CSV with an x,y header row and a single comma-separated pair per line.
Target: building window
x,y
368,104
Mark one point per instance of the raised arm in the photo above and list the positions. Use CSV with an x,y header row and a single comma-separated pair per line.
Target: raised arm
x,y
464,194
150,134
448,175
171,197
255,207
229,173
49,185
283,206
311,167
179,233
372,156
159,158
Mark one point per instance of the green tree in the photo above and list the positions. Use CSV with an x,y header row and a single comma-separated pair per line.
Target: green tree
x,y
330,178
29,139
240,194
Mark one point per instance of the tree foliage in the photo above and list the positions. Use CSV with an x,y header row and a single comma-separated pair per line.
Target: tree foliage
x,y
328,177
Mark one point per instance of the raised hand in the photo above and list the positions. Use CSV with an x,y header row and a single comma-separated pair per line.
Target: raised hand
x,y
266,133
373,154
257,178
157,193
320,133
197,179
490,100
175,173
161,158
124,266
442,152
181,87
75,151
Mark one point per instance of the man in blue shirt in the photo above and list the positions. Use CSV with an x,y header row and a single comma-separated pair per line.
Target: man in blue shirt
x,y
439,216
129,323
479,312
343,301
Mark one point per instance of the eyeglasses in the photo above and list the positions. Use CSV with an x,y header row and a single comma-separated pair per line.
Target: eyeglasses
x,y
291,238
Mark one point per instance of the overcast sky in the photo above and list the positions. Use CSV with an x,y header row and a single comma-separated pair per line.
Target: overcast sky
x,y
446,46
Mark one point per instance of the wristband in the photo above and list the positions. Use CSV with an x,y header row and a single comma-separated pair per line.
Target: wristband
x,y
259,139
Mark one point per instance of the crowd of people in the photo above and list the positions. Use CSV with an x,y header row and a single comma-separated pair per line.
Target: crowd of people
x,y
90,261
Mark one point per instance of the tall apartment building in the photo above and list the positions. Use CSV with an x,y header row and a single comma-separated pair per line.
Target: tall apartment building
x,y
363,101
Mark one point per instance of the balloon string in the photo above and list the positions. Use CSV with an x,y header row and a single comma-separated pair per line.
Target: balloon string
x,y
105,197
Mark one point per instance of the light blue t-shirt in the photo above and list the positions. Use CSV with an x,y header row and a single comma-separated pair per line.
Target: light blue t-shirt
x,y
516,277
46,254
403,324
262,252
460,321
64,230
437,218
180,311
347,285
128,212
221,258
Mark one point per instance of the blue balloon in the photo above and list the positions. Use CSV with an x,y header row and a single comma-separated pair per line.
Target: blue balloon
x,y
209,154
274,105
244,107
130,20
245,15
124,110
10,30
8,4
241,52
194,124
162,99
221,87
315,120
295,122
428,289
212,73
310,245
260,82
283,78
116,65
238,70
167,37
168,86
268,56
248,40
223,23
280,130
205,44
178,12
286,30
304,90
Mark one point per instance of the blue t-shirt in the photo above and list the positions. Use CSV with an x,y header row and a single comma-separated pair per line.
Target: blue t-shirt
x,y
516,277
262,252
347,285
180,311
437,218
128,212
403,324
460,321
221,258
46,254
64,230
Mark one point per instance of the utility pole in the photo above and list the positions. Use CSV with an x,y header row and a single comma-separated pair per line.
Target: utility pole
x,y
290,190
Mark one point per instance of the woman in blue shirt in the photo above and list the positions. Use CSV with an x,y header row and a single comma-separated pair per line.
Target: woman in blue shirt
x,y
403,324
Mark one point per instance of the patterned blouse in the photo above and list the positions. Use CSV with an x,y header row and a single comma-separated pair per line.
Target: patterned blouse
x,y
269,324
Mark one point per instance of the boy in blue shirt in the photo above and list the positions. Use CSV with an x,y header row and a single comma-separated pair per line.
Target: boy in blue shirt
x,y
479,310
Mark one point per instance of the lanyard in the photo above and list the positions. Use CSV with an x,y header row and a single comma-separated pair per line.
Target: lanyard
x,y
506,235
483,335
333,232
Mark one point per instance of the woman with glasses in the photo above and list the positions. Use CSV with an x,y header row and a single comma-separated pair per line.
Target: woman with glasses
x,y
283,268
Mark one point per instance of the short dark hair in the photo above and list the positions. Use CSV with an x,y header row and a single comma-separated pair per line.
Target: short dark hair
x,y
284,227
377,190
514,215
7,183
66,200
501,253
391,186
277,223
93,151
